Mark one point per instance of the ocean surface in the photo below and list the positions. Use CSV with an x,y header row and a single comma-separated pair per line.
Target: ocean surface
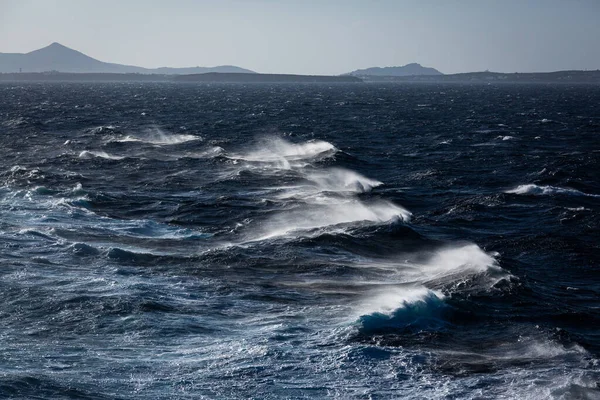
x,y
362,241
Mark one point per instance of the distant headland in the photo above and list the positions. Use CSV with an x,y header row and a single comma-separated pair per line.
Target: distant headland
x,y
413,69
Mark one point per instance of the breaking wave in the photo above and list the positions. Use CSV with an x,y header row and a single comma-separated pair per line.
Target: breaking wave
x,y
403,308
537,190
411,296
284,154
100,154
300,222
342,180
157,136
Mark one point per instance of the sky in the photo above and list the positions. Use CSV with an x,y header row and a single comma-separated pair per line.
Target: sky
x,y
326,37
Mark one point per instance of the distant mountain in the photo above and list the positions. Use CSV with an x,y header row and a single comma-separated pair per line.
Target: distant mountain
x,y
57,57
407,70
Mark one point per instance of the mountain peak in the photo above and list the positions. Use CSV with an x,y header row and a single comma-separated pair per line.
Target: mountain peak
x,y
54,48
58,57
56,45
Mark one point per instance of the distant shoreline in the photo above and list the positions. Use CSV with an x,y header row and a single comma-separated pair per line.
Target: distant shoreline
x,y
210,77
567,77
495,77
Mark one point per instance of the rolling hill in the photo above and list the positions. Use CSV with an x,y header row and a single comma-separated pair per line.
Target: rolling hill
x,y
57,57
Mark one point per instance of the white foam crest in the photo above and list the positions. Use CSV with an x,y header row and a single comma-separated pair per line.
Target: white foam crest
x,y
101,154
159,137
508,137
532,348
342,180
211,152
388,301
324,181
547,190
281,152
442,268
129,139
411,294
463,260
298,222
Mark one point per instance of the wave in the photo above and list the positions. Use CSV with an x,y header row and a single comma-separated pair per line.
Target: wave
x,y
99,154
310,217
537,190
11,123
320,184
153,229
157,136
508,137
285,154
102,129
412,294
83,250
441,268
342,180
209,153
447,266
403,308
131,256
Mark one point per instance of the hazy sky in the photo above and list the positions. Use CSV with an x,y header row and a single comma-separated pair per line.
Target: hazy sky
x,y
314,36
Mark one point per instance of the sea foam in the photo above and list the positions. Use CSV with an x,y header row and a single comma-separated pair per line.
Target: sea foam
x,y
285,155
299,222
157,136
533,189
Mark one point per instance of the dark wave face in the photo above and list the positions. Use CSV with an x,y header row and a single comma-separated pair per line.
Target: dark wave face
x,y
346,241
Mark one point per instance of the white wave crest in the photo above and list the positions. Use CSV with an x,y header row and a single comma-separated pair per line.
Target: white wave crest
x,y
157,136
538,190
323,182
209,153
342,180
441,267
410,292
388,301
283,153
508,137
101,154
456,263
298,222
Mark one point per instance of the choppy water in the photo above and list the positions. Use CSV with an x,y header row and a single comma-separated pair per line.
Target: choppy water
x,y
360,241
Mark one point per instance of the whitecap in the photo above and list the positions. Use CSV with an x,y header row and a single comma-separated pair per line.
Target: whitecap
x,y
389,300
342,180
284,154
505,137
157,136
100,154
299,222
410,294
401,308
209,153
537,190
441,267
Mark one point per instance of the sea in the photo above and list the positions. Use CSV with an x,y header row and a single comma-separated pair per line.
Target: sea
x,y
290,241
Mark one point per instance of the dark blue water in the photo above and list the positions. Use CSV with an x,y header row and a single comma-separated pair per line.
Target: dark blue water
x,y
359,241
